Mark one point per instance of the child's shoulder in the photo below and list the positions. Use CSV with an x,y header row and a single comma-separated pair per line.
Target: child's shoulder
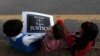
x,y
19,36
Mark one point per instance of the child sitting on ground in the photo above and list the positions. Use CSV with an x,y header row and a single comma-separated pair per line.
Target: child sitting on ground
x,y
54,37
19,40
82,41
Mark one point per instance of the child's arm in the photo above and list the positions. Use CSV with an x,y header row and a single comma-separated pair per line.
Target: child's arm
x,y
27,40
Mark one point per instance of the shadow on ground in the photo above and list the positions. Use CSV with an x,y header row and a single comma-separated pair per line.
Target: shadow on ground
x,y
73,25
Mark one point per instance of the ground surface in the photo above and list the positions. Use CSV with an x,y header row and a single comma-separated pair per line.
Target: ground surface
x,y
50,6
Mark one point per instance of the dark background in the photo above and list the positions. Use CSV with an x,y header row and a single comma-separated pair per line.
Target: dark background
x,y
31,21
50,6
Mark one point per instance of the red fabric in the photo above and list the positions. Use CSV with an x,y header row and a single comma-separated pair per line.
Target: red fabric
x,y
70,40
82,52
59,22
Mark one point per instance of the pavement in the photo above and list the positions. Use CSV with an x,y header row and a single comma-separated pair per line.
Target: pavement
x,y
10,7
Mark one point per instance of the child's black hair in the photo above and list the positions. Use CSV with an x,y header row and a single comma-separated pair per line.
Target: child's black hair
x,y
12,28
89,33
90,30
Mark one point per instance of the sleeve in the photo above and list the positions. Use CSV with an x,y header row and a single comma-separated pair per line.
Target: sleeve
x,y
27,40
77,44
70,40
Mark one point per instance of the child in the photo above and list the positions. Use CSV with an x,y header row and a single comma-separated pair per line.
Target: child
x,y
18,40
82,41
53,38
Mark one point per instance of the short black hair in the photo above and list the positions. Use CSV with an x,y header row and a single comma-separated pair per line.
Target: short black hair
x,y
90,30
12,27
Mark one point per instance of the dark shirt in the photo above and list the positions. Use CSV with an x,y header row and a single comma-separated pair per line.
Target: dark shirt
x,y
80,43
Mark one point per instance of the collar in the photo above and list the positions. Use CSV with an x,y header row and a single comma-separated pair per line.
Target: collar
x,y
16,37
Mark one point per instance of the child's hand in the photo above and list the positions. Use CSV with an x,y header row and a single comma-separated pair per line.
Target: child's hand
x,y
50,33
